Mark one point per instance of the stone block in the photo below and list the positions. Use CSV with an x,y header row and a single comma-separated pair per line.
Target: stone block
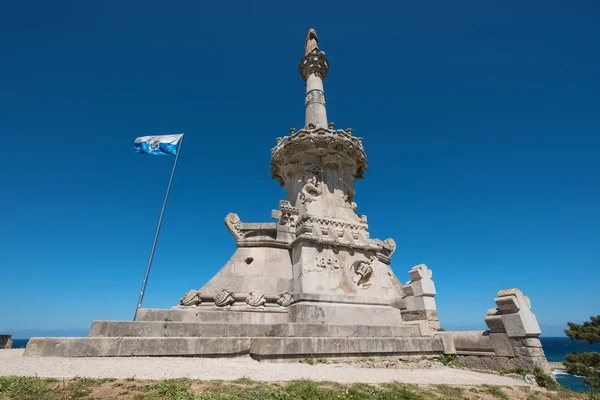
x,y
447,342
471,341
177,329
134,346
5,342
494,322
501,344
271,315
331,330
529,351
423,287
294,348
527,342
343,314
521,324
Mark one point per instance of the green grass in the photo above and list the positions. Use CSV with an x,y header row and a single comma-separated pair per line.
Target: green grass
x,y
449,360
19,388
25,388
168,389
496,392
449,392
309,360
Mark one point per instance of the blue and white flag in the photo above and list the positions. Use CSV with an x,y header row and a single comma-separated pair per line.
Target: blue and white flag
x,y
158,145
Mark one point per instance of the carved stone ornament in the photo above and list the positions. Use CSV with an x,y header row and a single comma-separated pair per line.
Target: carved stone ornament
x,y
311,44
310,191
224,298
390,245
285,299
191,299
308,141
333,161
348,181
233,223
363,271
256,299
315,63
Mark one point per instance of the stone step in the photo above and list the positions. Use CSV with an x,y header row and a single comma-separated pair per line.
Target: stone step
x,y
268,315
209,329
260,348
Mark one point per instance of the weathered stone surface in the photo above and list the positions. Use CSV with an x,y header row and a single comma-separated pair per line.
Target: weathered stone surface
x,y
281,348
331,330
502,344
272,315
344,314
513,315
137,346
468,342
264,269
186,329
257,347
177,329
5,341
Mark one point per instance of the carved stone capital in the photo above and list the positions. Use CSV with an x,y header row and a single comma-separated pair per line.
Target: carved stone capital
x,y
315,63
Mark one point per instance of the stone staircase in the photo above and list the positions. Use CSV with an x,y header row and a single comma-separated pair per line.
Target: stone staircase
x,y
215,334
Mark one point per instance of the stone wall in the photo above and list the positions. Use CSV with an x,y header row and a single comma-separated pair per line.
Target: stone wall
x,y
512,342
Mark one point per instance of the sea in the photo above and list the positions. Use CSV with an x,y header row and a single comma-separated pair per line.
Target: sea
x,y
556,348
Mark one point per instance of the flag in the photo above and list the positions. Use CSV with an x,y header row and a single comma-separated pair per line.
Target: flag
x,y
158,145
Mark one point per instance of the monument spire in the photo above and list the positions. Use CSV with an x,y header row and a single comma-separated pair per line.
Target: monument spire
x,y
313,69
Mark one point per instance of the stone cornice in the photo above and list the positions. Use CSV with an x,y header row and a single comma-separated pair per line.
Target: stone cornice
x,y
321,142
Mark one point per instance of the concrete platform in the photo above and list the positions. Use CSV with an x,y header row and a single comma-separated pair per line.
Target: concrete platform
x,y
260,348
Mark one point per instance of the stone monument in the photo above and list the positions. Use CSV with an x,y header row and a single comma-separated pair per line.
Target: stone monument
x,y
313,282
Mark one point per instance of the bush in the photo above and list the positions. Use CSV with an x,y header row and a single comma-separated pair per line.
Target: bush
x,y
544,379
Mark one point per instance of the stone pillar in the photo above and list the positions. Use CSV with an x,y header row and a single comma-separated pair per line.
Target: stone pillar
x,y
515,331
419,300
314,68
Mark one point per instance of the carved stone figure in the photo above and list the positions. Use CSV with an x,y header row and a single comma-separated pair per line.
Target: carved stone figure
x,y
310,191
191,299
224,298
256,299
285,299
311,45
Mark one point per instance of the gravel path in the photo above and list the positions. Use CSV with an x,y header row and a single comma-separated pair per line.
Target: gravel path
x,y
12,362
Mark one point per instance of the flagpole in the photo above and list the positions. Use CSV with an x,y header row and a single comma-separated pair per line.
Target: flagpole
x,y
162,213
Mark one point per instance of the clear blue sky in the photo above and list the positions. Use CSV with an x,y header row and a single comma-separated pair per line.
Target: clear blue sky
x,y
481,122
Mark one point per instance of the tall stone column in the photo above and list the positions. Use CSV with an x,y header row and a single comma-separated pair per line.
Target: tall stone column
x,y
340,274
314,68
